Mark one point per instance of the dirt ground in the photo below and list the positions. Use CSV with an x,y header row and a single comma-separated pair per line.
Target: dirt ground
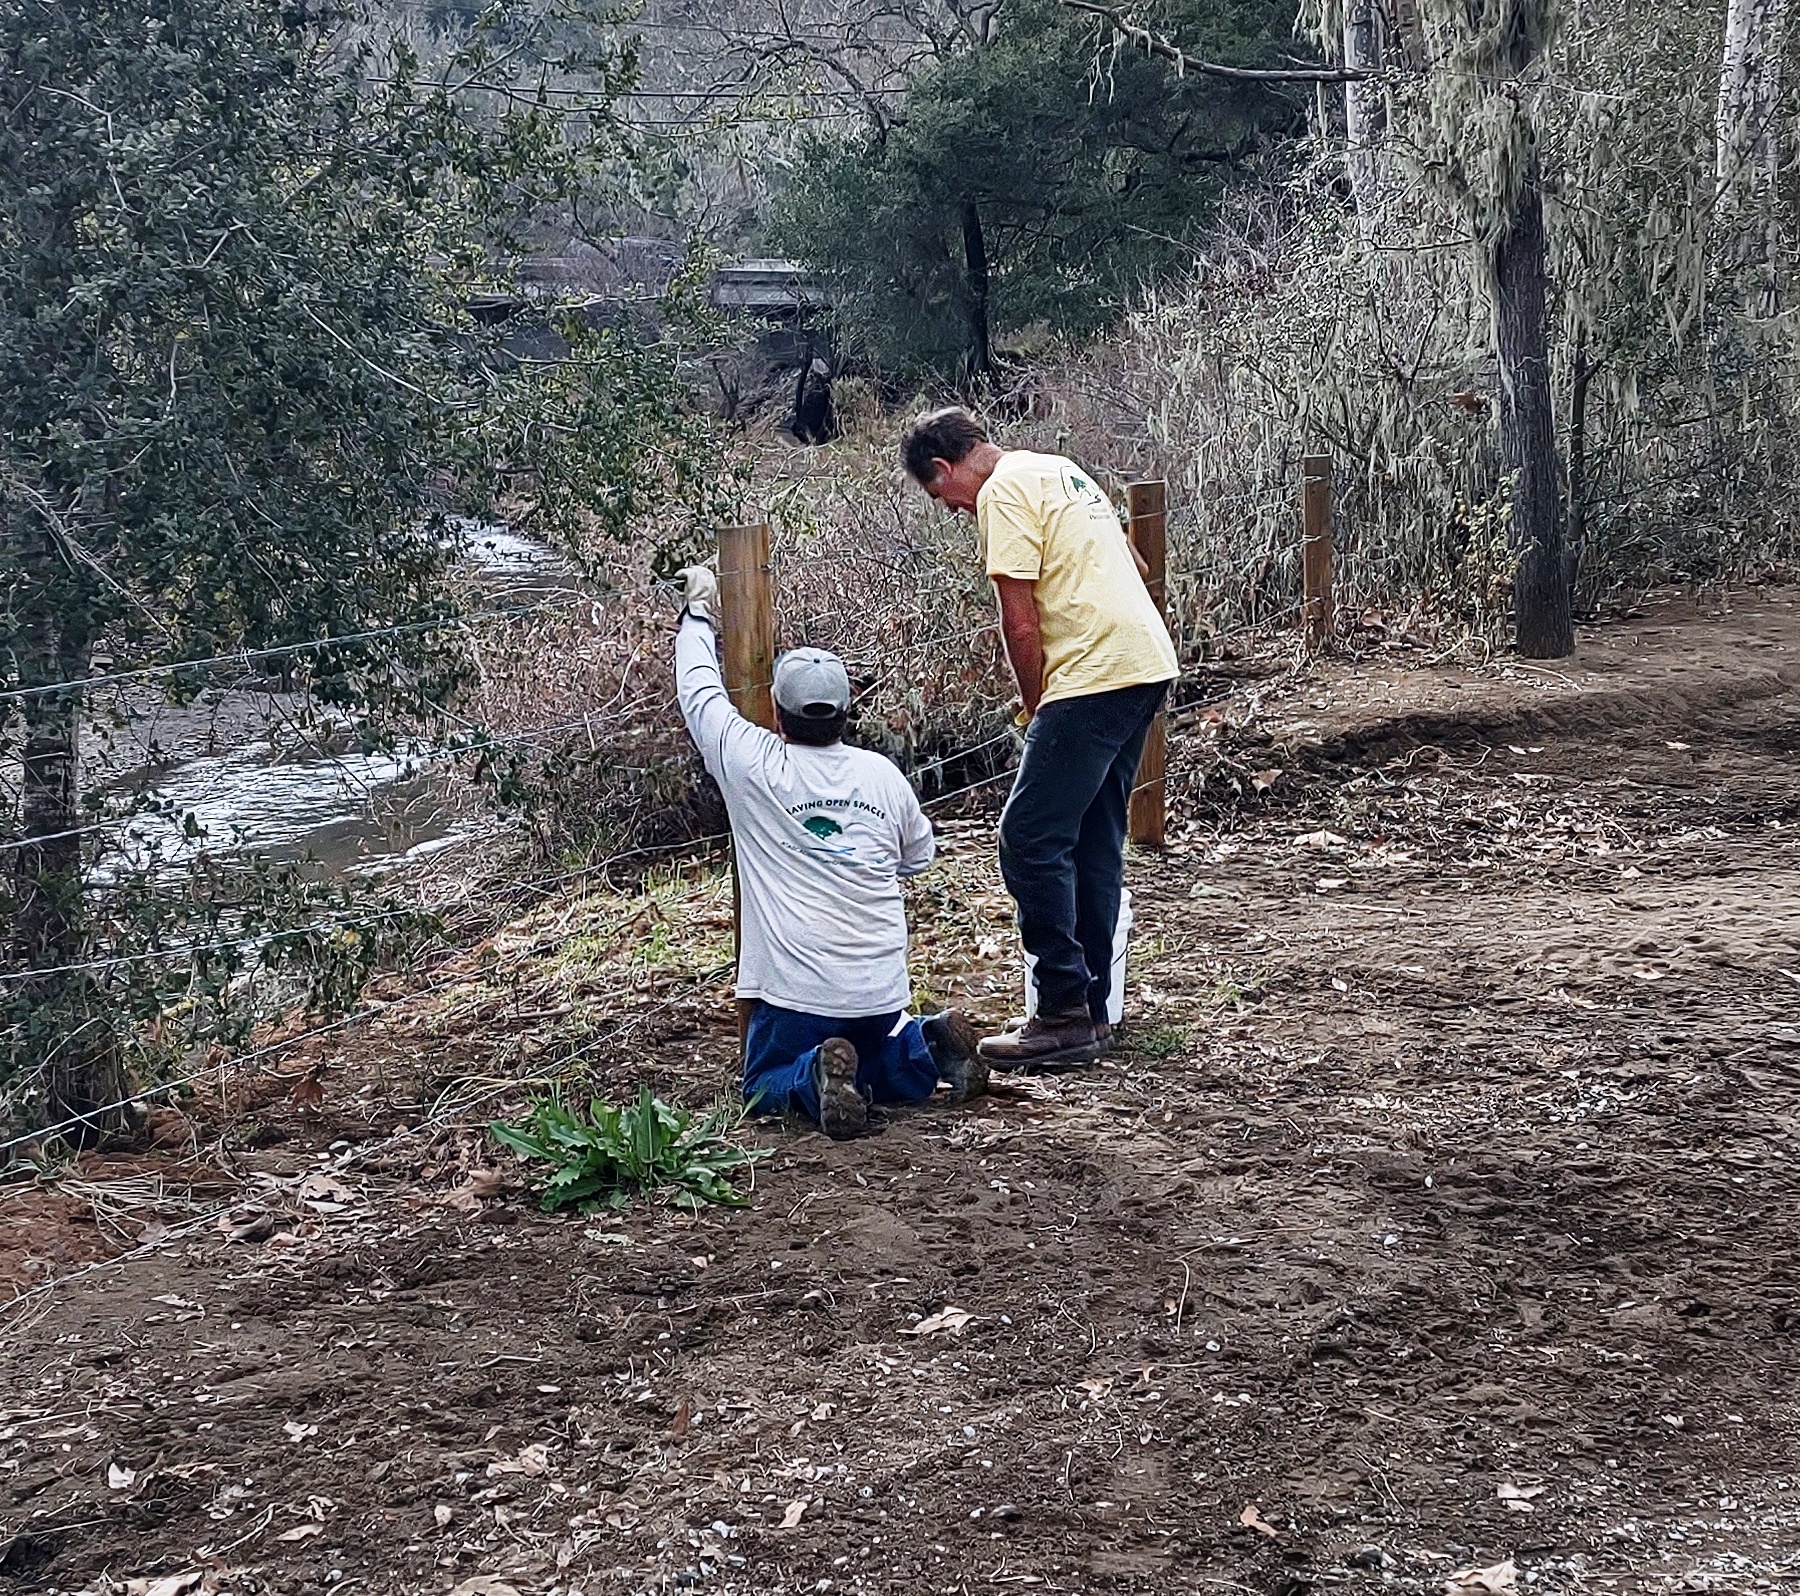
x,y
1437,1212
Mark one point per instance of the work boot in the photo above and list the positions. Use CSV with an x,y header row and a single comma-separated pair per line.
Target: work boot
x,y
953,1043
1049,1041
1102,1030
843,1112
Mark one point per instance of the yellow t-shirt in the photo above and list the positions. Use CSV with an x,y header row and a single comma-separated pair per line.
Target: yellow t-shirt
x,y
1045,521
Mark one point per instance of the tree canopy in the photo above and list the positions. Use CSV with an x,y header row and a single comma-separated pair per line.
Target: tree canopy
x,y
1039,179
241,394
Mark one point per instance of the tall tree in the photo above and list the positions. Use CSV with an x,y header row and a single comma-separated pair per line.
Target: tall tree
x,y
1026,181
1749,152
1471,125
238,396
1542,619
1368,31
1489,50
1471,128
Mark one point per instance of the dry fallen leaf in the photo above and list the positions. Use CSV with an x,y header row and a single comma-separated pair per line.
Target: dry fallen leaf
x,y
120,1478
442,1514
298,1432
792,1516
947,1317
246,1225
1321,839
1497,1579
301,1532
684,1413
1263,780
484,1585
1518,1498
166,1584
309,1090
533,1459
1254,1519
318,1188
169,1127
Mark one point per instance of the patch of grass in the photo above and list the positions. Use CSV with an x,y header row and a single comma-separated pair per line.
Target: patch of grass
x,y
1235,991
654,949
1162,1041
607,1155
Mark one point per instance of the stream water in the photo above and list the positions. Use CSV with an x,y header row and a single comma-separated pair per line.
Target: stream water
x,y
219,778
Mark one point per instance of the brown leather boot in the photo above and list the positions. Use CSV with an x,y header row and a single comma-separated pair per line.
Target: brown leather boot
x,y
1102,1030
843,1113
1050,1041
953,1042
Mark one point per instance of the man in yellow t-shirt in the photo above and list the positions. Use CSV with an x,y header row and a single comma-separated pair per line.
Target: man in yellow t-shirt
x,y
1093,660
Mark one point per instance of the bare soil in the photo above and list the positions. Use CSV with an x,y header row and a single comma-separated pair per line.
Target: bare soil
x,y
1437,1209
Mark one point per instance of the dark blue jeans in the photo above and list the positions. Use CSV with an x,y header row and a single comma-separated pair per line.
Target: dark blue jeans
x,y
1062,839
896,1066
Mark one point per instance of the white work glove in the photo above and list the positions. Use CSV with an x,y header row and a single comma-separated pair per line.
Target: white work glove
x,y
699,593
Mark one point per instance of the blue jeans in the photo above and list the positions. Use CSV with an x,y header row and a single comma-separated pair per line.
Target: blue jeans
x,y
783,1046
1062,839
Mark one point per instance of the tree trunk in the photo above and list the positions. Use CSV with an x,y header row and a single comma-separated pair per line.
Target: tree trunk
x,y
1544,628
65,1043
980,356
1582,379
1748,151
1365,116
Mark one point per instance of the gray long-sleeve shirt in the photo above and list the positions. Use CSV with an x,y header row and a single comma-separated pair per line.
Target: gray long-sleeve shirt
x,y
823,837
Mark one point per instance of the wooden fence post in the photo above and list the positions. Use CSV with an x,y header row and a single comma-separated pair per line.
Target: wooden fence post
x,y
747,620
1315,549
747,657
1147,507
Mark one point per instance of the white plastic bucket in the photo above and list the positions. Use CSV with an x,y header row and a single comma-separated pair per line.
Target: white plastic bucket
x,y
1115,994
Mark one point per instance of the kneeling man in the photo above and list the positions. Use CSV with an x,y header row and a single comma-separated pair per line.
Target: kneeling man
x,y
824,835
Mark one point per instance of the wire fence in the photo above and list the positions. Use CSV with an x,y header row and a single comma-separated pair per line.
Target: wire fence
x,y
454,1106
445,1112
258,656
413,761
236,1063
986,750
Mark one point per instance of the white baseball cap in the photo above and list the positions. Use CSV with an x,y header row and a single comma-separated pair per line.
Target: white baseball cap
x,y
812,683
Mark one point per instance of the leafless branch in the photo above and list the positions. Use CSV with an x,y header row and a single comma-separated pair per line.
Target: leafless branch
x,y
1155,44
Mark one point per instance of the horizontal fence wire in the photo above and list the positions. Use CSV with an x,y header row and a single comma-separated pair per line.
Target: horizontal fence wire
x,y
415,760
254,656
264,939
281,1045
75,1122
541,884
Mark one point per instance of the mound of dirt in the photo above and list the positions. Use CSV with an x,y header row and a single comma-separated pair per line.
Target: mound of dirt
x,y
1428,1229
